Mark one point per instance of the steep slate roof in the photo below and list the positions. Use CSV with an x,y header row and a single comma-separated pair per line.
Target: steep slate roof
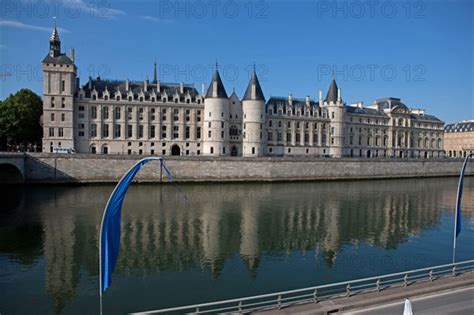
x,y
332,92
62,59
464,126
136,87
275,101
425,118
258,89
365,111
219,86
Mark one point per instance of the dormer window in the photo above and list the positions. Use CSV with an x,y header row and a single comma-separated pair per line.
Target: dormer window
x,y
94,97
106,97
117,98
152,99
130,98
141,98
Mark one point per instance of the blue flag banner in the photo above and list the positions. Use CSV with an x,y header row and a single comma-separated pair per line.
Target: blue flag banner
x,y
459,196
109,245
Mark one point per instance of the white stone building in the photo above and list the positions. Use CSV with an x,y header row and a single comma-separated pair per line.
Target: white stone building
x,y
156,118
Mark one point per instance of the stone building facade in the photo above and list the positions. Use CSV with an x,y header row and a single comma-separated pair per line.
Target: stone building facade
x,y
459,139
155,118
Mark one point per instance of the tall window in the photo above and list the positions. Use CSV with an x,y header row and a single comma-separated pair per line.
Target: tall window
x,y
93,130
129,131
93,112
163,132
63,117
188,132
105,130
152,131
175,132
60,132
105,112
51,132
52,116
117,131
63,86
140,131
117,113
198,133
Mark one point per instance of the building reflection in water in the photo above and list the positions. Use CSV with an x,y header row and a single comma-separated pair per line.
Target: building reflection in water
x,y
163,232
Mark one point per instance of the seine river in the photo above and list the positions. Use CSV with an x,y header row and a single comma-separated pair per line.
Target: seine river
x,y
227,241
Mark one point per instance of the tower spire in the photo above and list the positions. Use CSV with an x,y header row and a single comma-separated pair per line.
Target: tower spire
x,y
155,79
54,42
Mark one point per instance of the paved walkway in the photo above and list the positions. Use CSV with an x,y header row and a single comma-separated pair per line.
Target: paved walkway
x,y
454,290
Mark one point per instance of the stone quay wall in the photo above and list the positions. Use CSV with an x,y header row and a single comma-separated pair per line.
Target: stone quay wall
x,y
79,168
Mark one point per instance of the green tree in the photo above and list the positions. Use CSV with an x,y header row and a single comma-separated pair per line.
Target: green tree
x,y
20,115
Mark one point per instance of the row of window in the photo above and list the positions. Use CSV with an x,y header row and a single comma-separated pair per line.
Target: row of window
x,y
153,99
56,132
288,139
117,131
298,124
152,112
317,112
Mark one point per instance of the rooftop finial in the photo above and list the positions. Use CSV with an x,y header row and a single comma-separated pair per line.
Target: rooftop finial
x,y
333,73
254,67
54,35
217,64
155,78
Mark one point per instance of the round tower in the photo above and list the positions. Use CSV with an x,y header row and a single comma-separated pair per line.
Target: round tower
x,y
335,107
216,119
253,106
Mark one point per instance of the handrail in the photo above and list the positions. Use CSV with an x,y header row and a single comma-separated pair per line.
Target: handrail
x,y
278,296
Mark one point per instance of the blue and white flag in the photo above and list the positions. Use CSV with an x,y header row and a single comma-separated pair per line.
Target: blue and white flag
x,y
111,221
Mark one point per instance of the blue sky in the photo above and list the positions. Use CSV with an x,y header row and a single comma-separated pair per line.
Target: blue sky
x,y
418,50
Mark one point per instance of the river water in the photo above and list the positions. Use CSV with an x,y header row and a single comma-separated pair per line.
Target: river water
x,y
227,241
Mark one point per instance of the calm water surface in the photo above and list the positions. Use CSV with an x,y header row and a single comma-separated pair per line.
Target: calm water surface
x,y
230,240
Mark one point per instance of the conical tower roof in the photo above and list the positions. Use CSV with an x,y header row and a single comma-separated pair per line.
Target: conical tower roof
x,y
332,92
254,90
216,88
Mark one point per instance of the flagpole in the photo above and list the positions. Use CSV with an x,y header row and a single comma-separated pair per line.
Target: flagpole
x,y
458,203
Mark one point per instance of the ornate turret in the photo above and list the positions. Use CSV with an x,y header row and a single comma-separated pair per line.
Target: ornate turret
x,y
253,106
216,118
332,95
254,90
336,111
216,88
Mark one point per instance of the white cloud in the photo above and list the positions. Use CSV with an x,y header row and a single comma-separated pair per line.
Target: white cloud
x,y
28,27
154,19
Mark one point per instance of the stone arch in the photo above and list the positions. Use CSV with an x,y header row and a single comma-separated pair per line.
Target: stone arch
x,y
10,174
175,150
234,151
105,149
93,148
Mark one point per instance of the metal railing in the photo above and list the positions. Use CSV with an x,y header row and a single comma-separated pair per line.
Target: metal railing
x,y
316,294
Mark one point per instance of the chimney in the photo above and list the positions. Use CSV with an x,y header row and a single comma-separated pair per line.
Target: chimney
x,y
203,89
181,88
339,95
145,85
290,99
71,54
321,97
90,83
308,99
127,85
